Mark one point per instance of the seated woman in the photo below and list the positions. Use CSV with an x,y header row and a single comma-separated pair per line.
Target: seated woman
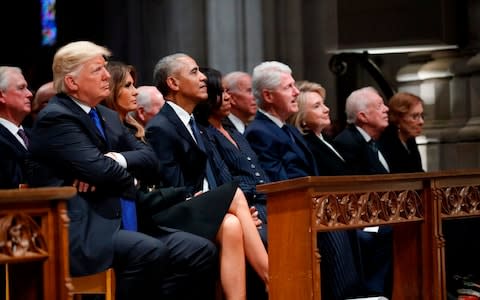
x,y
397,142
340,258
221,214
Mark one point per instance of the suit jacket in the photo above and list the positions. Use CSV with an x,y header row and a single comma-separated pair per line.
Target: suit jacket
x,y
328,162
278,155
67,143
242,162
12,160
399,158
182,162
358,155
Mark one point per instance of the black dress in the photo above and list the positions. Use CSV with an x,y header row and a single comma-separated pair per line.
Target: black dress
x,y
201,215
401,158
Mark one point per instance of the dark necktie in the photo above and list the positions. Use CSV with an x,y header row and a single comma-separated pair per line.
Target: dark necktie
x,y
209,172
287,131
129,214
373,146
24,137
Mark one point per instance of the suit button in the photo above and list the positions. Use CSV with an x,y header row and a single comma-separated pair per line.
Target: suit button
x,y
261,181
249,158
257,174
252,166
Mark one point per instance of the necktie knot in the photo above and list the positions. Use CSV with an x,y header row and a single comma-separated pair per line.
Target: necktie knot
x,y
96,120
373,145
24,137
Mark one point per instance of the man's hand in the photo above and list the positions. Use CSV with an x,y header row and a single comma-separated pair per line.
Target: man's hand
x,y
83,187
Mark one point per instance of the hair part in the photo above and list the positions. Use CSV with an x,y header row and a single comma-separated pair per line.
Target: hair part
x,y
304,87
164,68
70,58
358,101
267,76
5,71
400,104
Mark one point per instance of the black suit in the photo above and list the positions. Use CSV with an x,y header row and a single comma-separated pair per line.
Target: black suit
x,y
328,162
66,141
340,273
12,160
375,248
182,162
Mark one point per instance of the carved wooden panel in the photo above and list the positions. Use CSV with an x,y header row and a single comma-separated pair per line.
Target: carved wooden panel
x,y
459,201
369,208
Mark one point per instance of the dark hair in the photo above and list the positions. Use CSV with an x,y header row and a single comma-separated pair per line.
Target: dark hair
x,y
203,110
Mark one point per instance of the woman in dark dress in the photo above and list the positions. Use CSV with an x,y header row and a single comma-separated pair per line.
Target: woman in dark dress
x,y
340,265
398,140
221,215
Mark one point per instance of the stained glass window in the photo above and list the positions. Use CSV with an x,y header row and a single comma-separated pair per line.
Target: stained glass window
x,y
49,26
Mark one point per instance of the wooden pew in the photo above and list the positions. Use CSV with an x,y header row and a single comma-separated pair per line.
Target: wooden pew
x,y
411,203
45,275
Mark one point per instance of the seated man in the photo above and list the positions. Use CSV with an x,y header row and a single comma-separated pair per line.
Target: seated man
x,y
76,139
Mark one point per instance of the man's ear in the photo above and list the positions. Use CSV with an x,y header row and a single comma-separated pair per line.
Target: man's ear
x,y
70,83
172,83
362,117
267,96
141,113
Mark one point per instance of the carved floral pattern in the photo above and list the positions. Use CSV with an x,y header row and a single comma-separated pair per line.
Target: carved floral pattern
x,y
369,208
459,200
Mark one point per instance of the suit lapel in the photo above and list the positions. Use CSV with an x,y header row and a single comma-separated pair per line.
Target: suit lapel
x,y
10,141
168,111
84,118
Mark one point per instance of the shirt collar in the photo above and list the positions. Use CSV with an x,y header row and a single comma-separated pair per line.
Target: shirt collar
x,y
364,134
273,118
181,113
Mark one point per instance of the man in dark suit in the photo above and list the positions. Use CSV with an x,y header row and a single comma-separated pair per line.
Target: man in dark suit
x,y
281,150
15,105
77,139
367,117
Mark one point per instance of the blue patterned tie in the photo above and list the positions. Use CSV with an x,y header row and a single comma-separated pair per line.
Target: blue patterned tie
x,y
129,213
209,172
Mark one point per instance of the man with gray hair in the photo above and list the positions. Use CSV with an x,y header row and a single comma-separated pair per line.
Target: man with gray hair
x,y
281,150
367,118
149,103
243,104
15,105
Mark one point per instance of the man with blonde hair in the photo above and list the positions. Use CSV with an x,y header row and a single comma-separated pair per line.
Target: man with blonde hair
x,y
75,138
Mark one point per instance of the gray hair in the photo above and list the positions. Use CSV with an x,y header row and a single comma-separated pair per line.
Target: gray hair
x,y
231,79
4,78
358,101
144,96
165,67
267,75
70,58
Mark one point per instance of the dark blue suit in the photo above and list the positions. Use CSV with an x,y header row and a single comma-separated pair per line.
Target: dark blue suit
x,y
279,156
67,143
12,160
375,248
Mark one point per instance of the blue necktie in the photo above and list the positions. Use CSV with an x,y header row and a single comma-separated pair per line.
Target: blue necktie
x,y
209,173
129,213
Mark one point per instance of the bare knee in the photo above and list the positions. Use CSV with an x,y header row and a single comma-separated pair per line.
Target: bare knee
x,y
231,229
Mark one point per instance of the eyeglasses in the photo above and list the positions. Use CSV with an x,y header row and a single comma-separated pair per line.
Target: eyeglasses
x,y
417,116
